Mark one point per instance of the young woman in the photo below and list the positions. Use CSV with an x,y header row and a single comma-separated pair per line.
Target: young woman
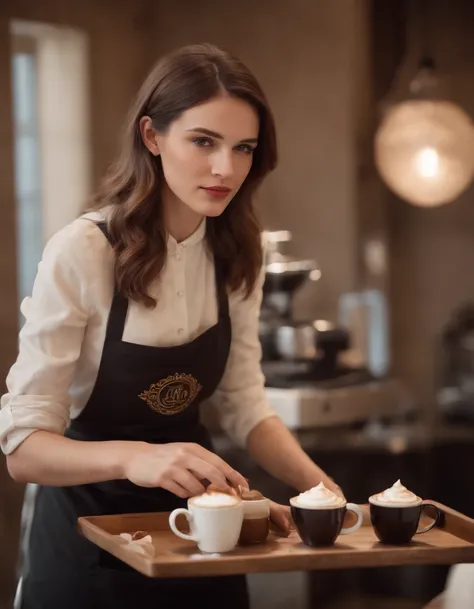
x,y
142,308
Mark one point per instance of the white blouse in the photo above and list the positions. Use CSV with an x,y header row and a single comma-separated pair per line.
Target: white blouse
x,y
60,345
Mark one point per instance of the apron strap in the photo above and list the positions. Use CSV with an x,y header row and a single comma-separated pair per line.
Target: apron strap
x,y
119,308
221,289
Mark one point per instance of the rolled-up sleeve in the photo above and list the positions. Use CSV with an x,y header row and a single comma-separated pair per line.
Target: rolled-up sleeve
x,y
49,344
240,400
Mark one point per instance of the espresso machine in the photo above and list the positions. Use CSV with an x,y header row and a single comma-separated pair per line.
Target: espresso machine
x,y
455,393
305,349
312,377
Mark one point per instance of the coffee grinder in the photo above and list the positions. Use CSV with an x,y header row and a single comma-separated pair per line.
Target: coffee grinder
x,y
309,380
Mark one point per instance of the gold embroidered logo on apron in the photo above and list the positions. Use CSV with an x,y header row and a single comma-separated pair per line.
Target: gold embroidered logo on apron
x,y
172,394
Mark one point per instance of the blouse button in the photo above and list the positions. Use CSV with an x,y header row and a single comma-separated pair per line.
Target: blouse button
x,y
180,330
180,292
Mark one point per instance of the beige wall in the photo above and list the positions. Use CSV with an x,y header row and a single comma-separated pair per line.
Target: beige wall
x,y
307,59
64,134
432,250
119,36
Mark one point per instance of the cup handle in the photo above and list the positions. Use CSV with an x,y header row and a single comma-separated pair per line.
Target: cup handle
x,y
435,521
172,521
352,507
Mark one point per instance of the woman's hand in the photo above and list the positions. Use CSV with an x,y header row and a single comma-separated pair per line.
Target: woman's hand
x,y
280,518
179,467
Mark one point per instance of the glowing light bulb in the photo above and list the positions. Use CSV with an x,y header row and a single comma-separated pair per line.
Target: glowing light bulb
x,y
427,161
424,151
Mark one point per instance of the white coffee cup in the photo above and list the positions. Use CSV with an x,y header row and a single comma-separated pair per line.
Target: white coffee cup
x,y
214,526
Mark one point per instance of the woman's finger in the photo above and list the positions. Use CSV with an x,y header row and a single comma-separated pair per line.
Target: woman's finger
x,y
229,472
280,515
188,481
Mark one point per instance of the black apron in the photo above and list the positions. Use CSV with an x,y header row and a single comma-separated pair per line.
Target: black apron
x,y
147,394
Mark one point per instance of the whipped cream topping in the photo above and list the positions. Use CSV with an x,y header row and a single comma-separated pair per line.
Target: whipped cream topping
x,y
318,497
215,500
396,495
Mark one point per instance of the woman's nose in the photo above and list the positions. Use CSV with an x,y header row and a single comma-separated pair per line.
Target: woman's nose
x,y
222,164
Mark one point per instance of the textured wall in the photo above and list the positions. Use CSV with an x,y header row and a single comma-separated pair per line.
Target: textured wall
x,y
431,250
119,35
307,58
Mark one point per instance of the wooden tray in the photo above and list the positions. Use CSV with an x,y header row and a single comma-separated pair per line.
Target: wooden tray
x,y
451,541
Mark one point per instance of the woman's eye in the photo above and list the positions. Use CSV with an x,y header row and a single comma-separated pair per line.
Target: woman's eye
x,y
202,142
247,148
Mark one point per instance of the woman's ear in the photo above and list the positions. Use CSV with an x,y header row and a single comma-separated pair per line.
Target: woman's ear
x,y
149,135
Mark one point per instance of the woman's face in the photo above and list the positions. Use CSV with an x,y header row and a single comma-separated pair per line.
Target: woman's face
x,y
207,153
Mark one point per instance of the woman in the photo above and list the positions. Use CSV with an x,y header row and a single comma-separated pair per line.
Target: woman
x,y
143,308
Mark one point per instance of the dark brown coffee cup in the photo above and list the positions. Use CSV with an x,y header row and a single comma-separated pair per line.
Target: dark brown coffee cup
x,y
254,530
256,522
321,526
396,525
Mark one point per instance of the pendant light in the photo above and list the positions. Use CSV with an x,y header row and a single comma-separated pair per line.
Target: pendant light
x,y
424,147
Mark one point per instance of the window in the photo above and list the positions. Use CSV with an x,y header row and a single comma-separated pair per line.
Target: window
x,y
52,142
27,165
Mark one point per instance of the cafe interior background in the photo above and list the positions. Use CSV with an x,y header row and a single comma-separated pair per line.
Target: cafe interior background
x,y
370,219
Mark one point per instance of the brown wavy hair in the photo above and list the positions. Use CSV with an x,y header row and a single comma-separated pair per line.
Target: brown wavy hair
x,y
133,185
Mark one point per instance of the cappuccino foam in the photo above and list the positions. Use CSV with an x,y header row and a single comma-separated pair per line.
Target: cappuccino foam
x,y
215,500
318,497
396,496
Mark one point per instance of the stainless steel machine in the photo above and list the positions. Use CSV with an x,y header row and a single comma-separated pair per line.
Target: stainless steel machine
x,y
310,378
